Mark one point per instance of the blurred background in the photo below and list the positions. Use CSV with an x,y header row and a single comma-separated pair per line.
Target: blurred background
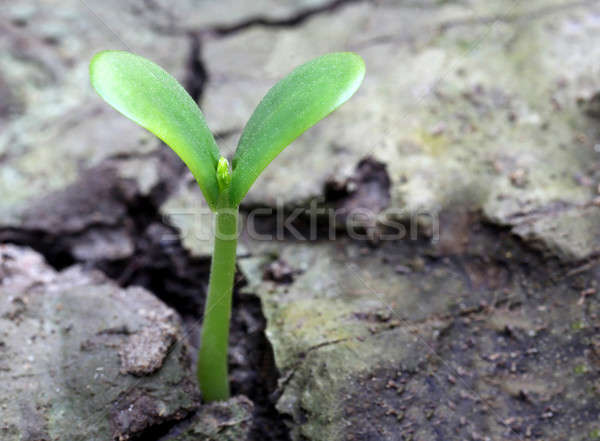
x,y
476,133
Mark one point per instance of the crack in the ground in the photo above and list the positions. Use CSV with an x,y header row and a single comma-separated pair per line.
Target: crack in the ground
x,y
297,19
196,72
223,30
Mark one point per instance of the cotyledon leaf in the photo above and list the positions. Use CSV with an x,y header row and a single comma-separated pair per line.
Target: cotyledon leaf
x,y
294,104
142,91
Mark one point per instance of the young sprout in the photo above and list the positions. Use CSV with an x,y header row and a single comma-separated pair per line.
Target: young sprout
x,y
145,93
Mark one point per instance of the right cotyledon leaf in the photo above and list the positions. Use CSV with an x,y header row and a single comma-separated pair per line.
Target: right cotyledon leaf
x,y
308,94
145,93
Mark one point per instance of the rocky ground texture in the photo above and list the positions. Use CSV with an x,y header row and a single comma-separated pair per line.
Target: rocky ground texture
x,y
465,306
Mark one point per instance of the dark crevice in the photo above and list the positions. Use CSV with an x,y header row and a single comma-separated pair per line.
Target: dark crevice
x,y
180,279
55,251
367,189
162,266
224,30
196,73
294,20
257,376
348,209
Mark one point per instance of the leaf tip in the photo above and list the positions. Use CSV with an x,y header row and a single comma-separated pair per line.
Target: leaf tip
x,y
359,68
96,63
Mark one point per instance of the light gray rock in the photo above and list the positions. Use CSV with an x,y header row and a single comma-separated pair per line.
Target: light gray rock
x,y
82,359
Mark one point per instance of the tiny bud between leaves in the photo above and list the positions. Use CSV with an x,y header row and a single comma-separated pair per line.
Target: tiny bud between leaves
x,y
223,173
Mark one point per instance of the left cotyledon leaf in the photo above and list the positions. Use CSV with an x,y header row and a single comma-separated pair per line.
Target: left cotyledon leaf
x,y
145,93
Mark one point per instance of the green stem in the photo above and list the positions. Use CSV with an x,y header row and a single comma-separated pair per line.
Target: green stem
x,y
212,356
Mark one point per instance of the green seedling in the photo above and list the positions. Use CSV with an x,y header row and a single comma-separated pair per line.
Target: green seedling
x,y
145,93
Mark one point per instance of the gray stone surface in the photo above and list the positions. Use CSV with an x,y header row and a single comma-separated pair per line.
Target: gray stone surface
x,y
67,341
68,160
388,344
471,107
467,104
482,113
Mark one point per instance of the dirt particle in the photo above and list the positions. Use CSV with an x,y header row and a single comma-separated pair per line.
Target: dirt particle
x,y
279,271
519,178
402,269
